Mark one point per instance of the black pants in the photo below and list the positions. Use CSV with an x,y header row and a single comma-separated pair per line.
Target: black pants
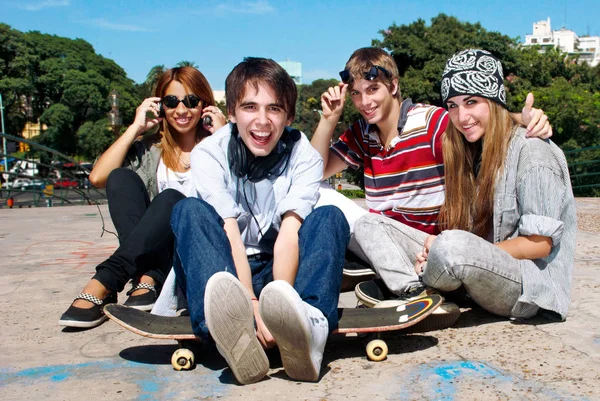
x,y
145,235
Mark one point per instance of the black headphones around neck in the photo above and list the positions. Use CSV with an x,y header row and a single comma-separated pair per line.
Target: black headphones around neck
x,y
245,165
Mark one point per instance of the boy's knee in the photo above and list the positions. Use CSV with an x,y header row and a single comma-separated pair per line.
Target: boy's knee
x,y
364,225
185,211
328,215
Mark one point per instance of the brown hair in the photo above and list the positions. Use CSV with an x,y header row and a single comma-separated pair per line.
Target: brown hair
x,y
365,58
194,83
469,203
255,71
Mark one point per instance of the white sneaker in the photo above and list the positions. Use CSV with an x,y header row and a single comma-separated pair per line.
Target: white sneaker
x,y
299,329
230,319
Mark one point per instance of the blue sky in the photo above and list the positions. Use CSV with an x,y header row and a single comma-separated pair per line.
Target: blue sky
x,y
216,35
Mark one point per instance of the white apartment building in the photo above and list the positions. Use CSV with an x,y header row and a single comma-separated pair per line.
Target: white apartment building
x,y
586,47
589,47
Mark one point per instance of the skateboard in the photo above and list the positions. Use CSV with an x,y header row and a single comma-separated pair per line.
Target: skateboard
x,y
351,321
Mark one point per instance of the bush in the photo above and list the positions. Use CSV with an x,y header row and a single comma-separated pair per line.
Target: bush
x,y
352,193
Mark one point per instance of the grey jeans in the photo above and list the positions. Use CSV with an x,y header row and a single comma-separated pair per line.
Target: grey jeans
x,y
391,248
491,276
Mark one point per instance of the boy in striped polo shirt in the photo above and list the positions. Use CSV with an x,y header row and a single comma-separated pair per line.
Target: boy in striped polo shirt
x,y
398,144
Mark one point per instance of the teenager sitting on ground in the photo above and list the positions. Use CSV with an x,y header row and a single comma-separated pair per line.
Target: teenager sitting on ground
x,y
250,250
398,143
144,178
509,215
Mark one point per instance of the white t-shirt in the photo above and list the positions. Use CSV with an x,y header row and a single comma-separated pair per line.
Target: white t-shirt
x,y
167,178
258,207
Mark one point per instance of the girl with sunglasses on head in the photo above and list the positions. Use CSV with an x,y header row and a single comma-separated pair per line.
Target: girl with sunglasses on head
x,y
509,216
144,177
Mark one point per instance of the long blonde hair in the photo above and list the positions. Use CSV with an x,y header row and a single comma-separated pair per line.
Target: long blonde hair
x,y
195,83
469,203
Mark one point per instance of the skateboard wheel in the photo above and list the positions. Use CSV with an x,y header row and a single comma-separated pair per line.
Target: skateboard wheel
x,y
182,359
377,350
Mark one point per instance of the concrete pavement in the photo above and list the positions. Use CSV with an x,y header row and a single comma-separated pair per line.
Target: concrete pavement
x,y
48,254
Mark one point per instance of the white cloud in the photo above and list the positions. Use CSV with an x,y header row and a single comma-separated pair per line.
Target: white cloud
x,y
40,5
311,75
246,7
102,23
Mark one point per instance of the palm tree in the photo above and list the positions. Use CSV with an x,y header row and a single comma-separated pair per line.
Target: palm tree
x,y
149,84
185,63
154,74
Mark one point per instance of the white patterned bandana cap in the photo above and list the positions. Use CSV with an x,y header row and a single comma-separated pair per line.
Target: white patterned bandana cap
x,y
474,72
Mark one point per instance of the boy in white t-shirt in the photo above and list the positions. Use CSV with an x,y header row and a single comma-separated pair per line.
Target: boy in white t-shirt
x,y
250,250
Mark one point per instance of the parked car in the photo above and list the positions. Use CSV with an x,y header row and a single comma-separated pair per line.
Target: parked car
x,y
18,183
36,184
66,182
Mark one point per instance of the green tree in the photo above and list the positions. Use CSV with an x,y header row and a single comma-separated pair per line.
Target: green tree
x,y
146,89
186,63
49,71
421,51
59,119
15,60
308,107
94,137
568,92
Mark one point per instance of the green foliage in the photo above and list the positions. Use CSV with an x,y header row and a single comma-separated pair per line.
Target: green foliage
x,y
356,177
93,138
66,85
146,89
421,51
222,106
352,193
59,120
569,93
186,63
48,71
308,107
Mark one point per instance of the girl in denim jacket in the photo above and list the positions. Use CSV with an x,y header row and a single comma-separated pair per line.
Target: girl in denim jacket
x,y
509,215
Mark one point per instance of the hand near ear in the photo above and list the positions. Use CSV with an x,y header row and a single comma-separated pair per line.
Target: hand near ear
x,y
332,101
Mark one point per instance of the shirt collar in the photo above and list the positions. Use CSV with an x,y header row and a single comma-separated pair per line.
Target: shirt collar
x,y
406,105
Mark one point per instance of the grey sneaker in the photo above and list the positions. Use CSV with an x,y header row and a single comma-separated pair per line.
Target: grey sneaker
x,y
374,292
446,315
230,319
299,329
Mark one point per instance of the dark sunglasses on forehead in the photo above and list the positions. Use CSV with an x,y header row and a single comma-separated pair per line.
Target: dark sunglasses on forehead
x,y
369,75
190,101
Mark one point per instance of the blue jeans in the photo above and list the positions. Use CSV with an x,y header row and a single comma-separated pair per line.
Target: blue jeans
x,y
202,249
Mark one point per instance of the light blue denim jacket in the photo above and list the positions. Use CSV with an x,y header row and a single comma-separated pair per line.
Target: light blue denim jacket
x,y
534,196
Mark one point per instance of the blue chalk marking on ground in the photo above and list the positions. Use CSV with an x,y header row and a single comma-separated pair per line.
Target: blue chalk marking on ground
x,y
164,382
438,381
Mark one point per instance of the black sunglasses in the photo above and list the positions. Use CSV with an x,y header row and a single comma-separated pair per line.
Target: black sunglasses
x,y
190,101
369,75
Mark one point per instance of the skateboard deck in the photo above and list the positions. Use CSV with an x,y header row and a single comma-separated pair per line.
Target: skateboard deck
x,y
351,320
